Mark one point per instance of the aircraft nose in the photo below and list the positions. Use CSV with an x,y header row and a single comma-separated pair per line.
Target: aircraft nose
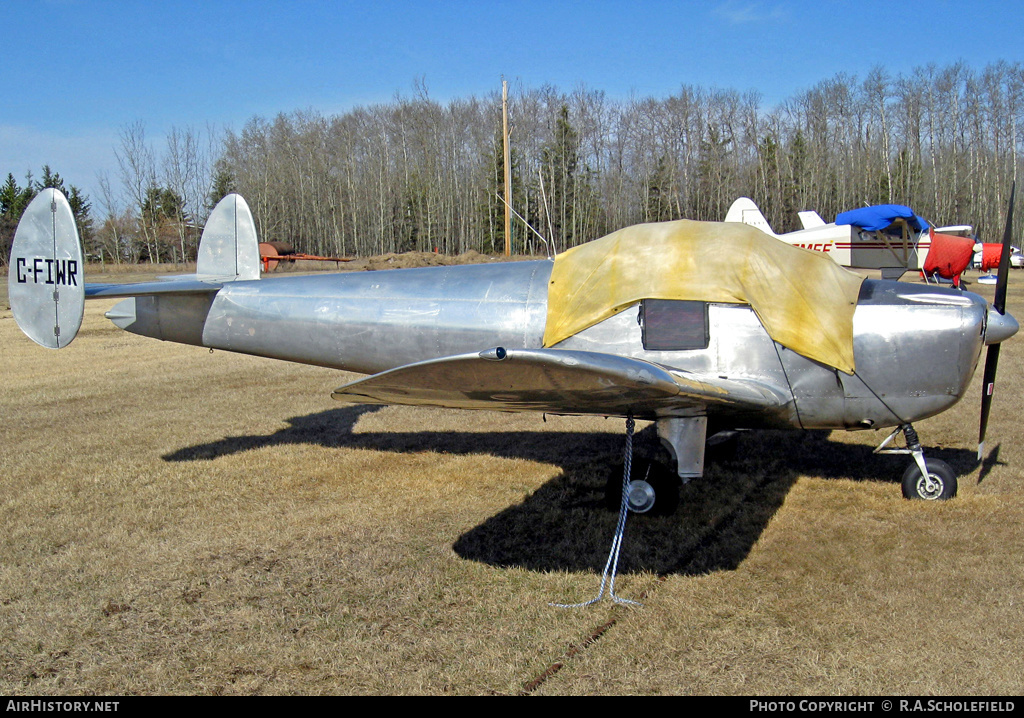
x,y
1000,326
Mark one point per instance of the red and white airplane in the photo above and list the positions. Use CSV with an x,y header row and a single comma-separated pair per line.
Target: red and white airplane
x,y
890,238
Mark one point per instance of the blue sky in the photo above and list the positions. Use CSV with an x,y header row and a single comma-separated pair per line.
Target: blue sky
x,y
78,71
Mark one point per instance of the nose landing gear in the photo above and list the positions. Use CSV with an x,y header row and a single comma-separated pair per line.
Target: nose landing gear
x,y
927,479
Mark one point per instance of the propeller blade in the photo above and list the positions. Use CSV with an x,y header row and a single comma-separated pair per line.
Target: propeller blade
x,y
1002,278
988,385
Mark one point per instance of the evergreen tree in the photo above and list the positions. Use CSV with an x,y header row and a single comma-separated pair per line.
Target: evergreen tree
x,y
714,173
794,199
660,189
163,213
560,163
223,184
81,207
9,194
14,199
51,180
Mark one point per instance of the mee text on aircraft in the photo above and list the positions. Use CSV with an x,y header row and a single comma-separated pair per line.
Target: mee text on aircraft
x,y
890,238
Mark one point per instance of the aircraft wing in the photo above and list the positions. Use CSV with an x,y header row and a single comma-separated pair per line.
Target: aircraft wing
x,y
557,381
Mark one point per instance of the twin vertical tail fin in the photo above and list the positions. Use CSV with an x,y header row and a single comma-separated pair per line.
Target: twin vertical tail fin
x,y
229,249
46,280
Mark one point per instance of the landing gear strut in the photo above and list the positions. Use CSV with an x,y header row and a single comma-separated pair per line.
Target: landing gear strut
x,y
654,487
928,479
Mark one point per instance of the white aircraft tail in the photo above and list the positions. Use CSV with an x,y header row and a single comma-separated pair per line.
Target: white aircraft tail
x,y
46,281
229,249
46,278
745,210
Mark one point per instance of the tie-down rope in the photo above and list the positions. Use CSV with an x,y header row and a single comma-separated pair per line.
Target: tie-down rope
x,y
611,566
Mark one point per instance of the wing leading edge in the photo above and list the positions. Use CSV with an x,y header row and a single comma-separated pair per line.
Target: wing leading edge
x,y
557,381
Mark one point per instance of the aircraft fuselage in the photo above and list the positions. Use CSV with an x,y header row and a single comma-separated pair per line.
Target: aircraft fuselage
x,y
916,347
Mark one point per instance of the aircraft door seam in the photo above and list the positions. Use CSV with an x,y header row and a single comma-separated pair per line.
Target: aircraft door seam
x,y
529,304
437,317
782,365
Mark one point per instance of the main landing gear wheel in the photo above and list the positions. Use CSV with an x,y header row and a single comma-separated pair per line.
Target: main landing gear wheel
x,y
939,485
654,490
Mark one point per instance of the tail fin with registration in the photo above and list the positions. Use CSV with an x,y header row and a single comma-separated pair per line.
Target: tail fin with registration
x,y
46,281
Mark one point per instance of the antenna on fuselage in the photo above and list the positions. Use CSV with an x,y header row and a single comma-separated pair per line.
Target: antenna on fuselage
x,y
550,247
544,196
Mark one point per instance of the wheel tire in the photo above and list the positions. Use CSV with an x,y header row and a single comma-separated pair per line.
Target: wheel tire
x,y
662,481
666,485
944,483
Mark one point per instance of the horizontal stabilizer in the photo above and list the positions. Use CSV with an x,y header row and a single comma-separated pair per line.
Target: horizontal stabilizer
x,y
177,285
809,219
46,282
228,252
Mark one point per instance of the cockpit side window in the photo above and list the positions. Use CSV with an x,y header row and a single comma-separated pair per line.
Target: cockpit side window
x,y
674,325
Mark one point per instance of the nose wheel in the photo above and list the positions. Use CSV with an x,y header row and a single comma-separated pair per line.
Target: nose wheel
x,y
938,484
927,479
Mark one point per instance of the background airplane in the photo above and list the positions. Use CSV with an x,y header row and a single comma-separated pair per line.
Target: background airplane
x,y
889,238
987,256
689,324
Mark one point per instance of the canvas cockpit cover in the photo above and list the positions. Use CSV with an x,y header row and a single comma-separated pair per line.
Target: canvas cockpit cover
x,y
804,300
881,216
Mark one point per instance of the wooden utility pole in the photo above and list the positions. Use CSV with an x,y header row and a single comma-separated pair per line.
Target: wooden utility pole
x,y
508,169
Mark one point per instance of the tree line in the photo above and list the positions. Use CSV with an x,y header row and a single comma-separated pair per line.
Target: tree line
x,y
14,199
419,174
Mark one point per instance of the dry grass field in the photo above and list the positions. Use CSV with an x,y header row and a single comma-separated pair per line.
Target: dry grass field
x,y
177,521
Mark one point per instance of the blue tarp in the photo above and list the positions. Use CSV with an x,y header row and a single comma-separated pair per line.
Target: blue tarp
x,y
881,216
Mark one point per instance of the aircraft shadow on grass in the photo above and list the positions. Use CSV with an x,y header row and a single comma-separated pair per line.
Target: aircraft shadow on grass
x,y
566,524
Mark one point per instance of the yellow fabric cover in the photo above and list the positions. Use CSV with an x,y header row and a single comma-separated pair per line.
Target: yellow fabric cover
x,y
804,300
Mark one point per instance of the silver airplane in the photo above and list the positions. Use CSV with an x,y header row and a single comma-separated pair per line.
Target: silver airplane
x,y
510,336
